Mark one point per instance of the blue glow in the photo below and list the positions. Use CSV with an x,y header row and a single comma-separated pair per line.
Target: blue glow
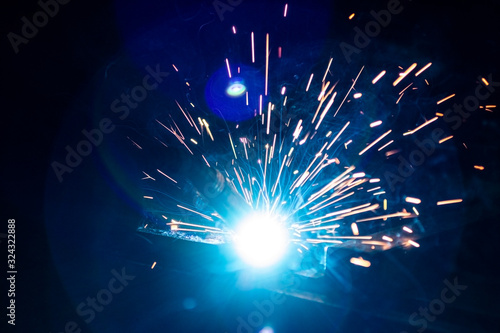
x,y
235,99
189,303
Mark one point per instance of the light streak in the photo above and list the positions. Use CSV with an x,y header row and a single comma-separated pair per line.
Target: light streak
x,y
338,135
253,47
413,200
408,230
228,68
327,69
352,86
355,230
309,82
421,126
378,77
232,146
449,202
381,217
404,74
375,142
360,262
423,69
445,99
388,143
164,174
445,139
194,211
413,243
267,65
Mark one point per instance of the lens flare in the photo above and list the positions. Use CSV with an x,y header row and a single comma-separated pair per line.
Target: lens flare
x,y
236,88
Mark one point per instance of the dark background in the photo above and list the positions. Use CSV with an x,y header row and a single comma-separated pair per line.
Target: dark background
x,y
70,236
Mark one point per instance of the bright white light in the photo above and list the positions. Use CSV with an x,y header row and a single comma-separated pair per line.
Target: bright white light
x,y
261,240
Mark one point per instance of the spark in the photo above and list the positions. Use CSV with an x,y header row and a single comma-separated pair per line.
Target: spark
x,y
147,176
177,223
253,47
388,143
413,200
338,135
164,174
360,262
413,243
479,167
309,82
445,99
449,202
375,142
408,230
232,146
351,16
205,123
228,68
408,86
381,217
400,96
423,69
355,230
376,123
267,64
378,77
421,126
134,143
445,139
404,74
352,86
194,211
327,69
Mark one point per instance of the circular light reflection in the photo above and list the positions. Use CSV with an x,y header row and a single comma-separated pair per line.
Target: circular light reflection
x,y
236,88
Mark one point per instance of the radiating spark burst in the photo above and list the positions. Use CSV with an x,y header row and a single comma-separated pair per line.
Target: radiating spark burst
x,y
297,171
